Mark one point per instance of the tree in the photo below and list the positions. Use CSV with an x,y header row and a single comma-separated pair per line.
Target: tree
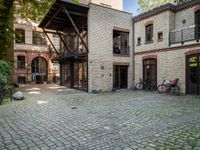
x,y
28,9
146,5
5,73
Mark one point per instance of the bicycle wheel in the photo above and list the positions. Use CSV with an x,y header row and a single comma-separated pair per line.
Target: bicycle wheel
x,y
139,86
175,90
162,88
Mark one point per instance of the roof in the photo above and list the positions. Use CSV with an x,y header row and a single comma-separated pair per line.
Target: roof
x,y
165,7
56,19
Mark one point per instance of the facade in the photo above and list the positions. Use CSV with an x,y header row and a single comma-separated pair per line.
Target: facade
x,y
167,45
97,45
33,55
115,4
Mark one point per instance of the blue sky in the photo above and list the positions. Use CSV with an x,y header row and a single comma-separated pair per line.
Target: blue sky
x,y
131,6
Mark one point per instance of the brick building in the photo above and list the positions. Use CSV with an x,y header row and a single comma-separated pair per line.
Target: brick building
x,y
104,48
167,45
97,44
33,54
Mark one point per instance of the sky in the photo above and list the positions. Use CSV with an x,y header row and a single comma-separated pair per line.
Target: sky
x,y
131,6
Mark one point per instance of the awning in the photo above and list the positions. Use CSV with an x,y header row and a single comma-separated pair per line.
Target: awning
x,y
56,18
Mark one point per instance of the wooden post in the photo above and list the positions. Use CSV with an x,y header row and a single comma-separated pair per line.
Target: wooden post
x,y
75,28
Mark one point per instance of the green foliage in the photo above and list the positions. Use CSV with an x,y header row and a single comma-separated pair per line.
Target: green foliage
x,y
28,9
34,9
5,73
146,5
6,31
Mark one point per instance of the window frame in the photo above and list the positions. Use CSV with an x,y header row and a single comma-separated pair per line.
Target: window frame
x,y
21,34
38,39
149,33
160,39
139,41
123,47
21,64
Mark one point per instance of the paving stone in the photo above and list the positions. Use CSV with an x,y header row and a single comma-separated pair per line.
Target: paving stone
x,y
125,120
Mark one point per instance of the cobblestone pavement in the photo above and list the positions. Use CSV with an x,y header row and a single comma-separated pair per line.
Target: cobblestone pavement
x,y
53,117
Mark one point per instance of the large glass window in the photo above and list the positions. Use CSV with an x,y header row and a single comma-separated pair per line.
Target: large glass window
x,y
120,42
149,33
20,62
20,36
39,38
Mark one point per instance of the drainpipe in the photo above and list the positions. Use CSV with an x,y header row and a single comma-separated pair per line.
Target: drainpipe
x,y
133,53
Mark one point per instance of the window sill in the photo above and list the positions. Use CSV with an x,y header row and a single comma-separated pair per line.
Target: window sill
x,y
21,69
160,40
121,55
148,42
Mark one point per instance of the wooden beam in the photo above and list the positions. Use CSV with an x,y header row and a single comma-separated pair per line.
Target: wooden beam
x,y
75,28
50,41
62,40
51,18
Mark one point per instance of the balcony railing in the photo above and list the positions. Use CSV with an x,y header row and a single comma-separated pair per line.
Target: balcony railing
x,y
123,51
183,35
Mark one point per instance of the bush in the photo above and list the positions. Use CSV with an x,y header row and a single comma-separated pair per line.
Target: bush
x,y
5,73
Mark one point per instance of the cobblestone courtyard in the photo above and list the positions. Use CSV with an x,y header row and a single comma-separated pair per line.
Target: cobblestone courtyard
x,y
48,119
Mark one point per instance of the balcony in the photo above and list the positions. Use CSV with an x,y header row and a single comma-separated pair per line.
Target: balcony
x,y
124,51
187,35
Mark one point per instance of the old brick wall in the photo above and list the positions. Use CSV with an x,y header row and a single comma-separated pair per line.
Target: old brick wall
x,y
171,61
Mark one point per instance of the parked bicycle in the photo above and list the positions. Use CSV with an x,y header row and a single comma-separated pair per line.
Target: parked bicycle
x,y
147,85
168,86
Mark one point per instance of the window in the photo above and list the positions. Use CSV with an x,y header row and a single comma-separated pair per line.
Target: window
x,y
39,38
20,36
149,33
160,36
139,41
21,80
21,62
120,42
56,41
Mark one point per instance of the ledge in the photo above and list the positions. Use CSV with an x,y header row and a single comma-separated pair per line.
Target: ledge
x,y
149,42
121,55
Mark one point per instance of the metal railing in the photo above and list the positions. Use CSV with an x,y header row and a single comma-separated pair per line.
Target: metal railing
x,y
184,35
123,51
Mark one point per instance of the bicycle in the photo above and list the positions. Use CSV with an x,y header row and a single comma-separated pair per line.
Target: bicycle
x,y
147,85
169,87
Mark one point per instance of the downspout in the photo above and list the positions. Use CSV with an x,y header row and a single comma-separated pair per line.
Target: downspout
x,y
133,53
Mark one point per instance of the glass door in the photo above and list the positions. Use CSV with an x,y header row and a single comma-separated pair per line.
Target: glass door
x,y
120,77
193,74
150,71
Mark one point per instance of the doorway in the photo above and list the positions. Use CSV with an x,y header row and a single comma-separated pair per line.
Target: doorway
x,y
150,70
39,70
193,74
120,77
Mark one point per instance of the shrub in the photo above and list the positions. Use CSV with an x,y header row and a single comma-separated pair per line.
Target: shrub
x,y
5,73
